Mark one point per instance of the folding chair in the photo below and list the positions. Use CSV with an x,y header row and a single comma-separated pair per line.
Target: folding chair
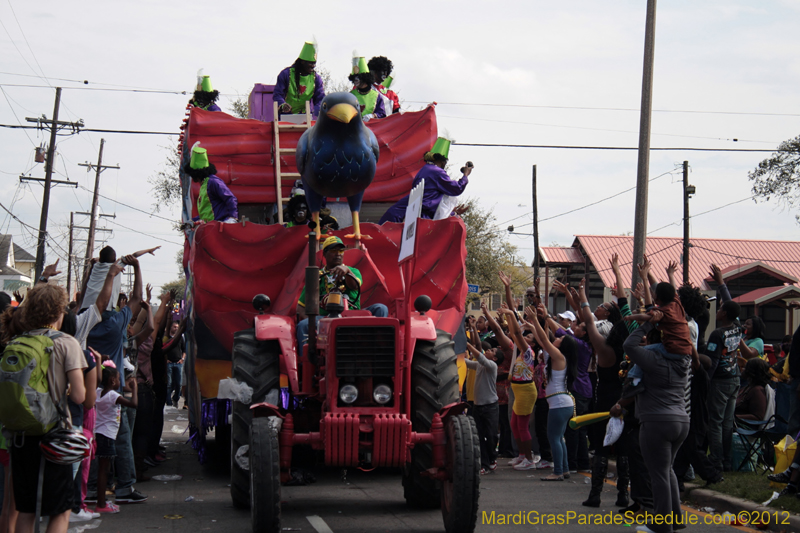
x,y
760,438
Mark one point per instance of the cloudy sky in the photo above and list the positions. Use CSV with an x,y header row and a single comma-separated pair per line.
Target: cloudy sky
x,y
557,73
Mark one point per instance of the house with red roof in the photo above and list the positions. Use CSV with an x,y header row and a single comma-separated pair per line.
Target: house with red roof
x,y
762,276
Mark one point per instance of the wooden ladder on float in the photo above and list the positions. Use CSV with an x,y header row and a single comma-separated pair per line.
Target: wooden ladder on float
x,y
283,177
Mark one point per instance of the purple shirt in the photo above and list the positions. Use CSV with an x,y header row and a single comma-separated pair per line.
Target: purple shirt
x,y
282,87
437,184
582,385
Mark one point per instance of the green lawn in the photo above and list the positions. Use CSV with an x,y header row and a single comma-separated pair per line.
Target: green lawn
x,y
755,487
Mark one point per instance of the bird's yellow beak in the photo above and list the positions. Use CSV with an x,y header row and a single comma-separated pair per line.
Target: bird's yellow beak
x,y
343,113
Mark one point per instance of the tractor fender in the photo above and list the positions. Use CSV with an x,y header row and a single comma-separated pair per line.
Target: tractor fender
x,y
456,408
422,328
282,329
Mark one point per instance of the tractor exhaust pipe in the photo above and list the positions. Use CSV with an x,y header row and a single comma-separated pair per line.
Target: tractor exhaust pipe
x,y
312,295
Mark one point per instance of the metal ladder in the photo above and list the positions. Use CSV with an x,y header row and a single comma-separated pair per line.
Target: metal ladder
x,y
282,177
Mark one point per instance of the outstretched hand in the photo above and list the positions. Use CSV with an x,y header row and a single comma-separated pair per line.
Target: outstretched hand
x,y
51,270
716,273
560,287
672,267
614,262
504,279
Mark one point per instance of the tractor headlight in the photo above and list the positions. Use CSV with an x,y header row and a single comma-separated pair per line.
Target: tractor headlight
x,y
382,394
348,393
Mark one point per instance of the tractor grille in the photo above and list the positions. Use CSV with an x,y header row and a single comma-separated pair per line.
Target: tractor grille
x,y
364,351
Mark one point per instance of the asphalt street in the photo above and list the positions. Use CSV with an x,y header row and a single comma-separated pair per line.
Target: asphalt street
x,y
356,501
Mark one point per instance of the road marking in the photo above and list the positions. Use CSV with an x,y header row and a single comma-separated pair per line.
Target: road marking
x,y
319,524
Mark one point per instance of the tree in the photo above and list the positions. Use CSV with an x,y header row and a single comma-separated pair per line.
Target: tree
x,y
488,251
166,184
778,176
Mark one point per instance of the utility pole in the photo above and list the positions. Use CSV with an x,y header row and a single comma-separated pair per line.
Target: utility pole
x,y
55,125
48,174
642,173
535,228
69,258
92,223
688,191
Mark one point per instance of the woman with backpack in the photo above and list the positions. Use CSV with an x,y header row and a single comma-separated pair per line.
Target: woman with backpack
x,y
41,319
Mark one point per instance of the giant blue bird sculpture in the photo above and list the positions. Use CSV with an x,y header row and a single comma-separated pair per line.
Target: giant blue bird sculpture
x,y
337,157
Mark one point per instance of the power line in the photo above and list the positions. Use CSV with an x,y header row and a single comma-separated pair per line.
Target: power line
x,y
593,203
571,147
703,213
128,206
147,234
602,129
586,108
16,117
27,43
21,127
153,91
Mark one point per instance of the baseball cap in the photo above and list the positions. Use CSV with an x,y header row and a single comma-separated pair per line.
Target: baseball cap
x,y
567,314
331,241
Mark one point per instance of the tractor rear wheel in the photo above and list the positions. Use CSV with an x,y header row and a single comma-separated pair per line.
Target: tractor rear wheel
x,y
434,384
256,363
265,477
461,489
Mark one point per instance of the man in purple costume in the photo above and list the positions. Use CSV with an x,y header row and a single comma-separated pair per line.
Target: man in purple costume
x,y
299,84
438,184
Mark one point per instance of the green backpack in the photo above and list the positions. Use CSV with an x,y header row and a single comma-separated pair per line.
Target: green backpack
x,y
26,405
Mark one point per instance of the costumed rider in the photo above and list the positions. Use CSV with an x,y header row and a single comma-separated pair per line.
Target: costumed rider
x,y
299,84
297,210
439,199
381,68
334,275
368,98
205,97
215,201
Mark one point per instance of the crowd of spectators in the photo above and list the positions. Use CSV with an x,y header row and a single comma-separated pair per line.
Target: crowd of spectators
x,y
643,357
119,365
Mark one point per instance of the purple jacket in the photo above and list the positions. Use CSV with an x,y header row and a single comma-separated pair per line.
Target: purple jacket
x,y
582,385
437,184
282,87
223,201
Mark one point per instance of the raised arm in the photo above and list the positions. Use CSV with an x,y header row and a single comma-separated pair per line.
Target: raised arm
x,y
49,272
85,283
108,288
605,354
620,289
150,251
147,328
644,272
671,268
724,293
502,339
513,330
136,294
161,314
506,281
544,340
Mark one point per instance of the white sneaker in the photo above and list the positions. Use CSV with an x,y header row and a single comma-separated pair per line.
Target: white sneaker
x,y
537,458
517,460
525,465
81,516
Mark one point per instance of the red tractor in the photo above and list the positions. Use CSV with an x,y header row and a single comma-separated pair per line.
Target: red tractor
x,y
366,392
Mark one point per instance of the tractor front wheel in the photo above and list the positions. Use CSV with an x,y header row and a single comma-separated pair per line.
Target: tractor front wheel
x,y
256,363
265,477
461,489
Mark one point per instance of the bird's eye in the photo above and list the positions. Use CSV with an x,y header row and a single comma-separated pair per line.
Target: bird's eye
x,y
324,106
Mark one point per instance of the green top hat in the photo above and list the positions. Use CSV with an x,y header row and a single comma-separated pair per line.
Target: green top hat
x,y
199,157
441,147
361,67
309,52
387,82
205,85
